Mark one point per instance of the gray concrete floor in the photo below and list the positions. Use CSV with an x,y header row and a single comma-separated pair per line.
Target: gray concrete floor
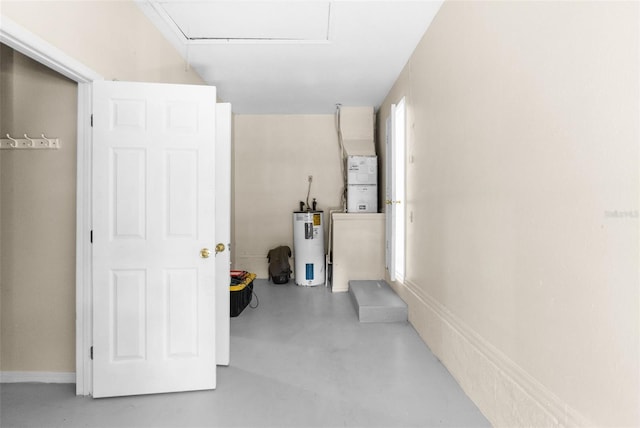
x,y
300,359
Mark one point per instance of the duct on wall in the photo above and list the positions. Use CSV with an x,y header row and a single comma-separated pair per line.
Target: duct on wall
x,y
357,131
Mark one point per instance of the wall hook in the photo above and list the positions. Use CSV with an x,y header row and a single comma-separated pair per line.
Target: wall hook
x,y
31,142
14,142
49,140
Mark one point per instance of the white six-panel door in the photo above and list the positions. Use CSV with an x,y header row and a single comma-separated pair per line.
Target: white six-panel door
x,y
153,214
223,230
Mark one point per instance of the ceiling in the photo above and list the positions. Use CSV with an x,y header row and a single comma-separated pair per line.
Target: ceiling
x,y
294,56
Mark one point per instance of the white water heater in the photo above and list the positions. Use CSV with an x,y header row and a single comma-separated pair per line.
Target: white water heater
x,y
308,248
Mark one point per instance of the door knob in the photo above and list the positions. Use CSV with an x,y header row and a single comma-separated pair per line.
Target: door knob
x,y
220,248
205,253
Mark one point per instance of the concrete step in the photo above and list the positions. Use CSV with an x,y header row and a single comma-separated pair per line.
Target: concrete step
x,y
375,301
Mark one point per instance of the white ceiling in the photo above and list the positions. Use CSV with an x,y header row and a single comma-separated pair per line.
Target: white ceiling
x,y
295,56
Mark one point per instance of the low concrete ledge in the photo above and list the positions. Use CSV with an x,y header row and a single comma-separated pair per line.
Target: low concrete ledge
x,y
375,301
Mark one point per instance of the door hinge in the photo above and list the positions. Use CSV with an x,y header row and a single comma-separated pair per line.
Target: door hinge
x,y
91,352
92,120
91,237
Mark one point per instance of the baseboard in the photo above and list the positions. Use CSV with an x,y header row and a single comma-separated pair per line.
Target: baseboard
x,y
504,392
40,377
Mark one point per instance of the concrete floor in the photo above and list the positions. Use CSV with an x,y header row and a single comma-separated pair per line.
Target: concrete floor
x,y
300,359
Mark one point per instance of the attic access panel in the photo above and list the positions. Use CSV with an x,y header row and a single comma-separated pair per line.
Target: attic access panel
x,y
265,20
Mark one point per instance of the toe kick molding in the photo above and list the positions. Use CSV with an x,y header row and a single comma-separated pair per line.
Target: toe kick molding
x,y
504,392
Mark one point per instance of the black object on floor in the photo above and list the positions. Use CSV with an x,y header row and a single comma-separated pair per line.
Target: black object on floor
x,y
241,290
279,267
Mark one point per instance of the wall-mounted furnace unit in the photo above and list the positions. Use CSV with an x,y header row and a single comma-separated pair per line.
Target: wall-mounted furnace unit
x,y
362,184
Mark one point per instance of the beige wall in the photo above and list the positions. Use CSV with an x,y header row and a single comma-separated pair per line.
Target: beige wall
x,y
114,38
522,258
274,155
37,190
37,220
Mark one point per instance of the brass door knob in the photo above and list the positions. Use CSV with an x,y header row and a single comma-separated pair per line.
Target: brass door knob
x,y
205,253
220,248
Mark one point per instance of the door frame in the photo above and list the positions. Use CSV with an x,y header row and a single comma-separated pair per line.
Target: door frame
x,y
399,184
389,256
32,46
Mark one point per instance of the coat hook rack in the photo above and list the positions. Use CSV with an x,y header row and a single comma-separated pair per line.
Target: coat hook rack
x,y
29,143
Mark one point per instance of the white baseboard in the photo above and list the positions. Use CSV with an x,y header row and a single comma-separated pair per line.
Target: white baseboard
x,y
504,392
40,377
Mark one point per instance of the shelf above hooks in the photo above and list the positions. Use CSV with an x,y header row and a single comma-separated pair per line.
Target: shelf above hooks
x,y
29,143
